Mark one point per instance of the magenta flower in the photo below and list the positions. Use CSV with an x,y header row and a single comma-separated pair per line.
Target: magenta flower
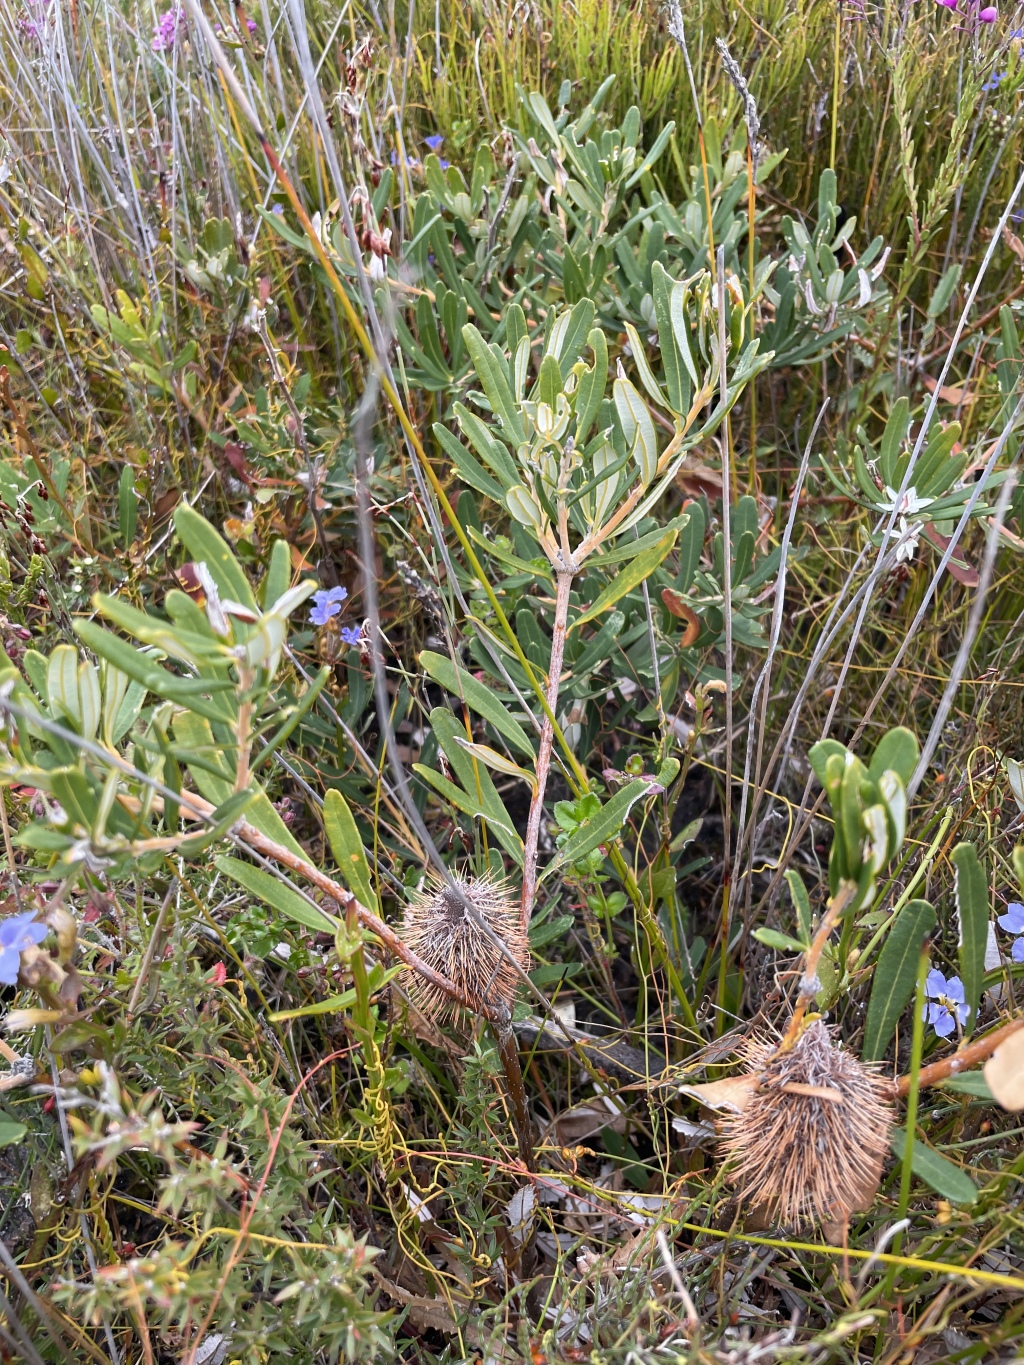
x,y
169,28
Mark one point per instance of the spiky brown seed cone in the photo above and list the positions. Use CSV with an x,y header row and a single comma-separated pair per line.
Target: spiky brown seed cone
x,y
811,1140
438,928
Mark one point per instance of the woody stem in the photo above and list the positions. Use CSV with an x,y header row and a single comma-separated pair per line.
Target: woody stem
x,y
962,1060
809,984
563,579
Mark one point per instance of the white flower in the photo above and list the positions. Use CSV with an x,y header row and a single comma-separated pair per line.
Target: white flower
x,y
910,534
907,505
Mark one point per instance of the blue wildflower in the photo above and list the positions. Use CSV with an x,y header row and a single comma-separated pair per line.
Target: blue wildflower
x,y
17,932
950,1008
1013,923
993,81
435,142
327,603
351,635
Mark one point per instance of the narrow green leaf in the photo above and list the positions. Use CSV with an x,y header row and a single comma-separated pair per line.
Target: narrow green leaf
x,y
547,932
602,828
480,698
592,386
495,383
801,903
275,894
938,1173
128,504
629,578
347,848
638,428
204,542
972,905
973,1084
643,367
895,976
771,938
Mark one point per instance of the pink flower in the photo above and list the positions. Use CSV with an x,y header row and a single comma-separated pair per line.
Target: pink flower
x,y
169,27
988,15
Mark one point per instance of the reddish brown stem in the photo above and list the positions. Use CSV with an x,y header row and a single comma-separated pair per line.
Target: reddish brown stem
x,y
962,1060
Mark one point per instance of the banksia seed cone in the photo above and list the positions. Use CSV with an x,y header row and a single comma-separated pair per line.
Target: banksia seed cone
x,y
811,1138
440,929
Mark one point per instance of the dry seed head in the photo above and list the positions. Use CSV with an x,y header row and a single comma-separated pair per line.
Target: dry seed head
x,y
440,928
811,1140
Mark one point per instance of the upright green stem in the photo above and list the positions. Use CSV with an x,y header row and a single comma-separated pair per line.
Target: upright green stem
x,y
916,1048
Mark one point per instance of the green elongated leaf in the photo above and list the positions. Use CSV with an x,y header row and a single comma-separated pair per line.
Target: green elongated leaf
x,y
470,469
892,439
935,1170
275,894
478,697
128,504
184,691
11,1132
643,368
972,906
638,428
329,1005
279,574
194,733
495,382
681,329
204,542
228,813
495,761
898,750
301,707
676,382
479,790
503,829
592,386
801,903
347,848
494,455
629,578
549,381
602,828
973,1084
895,976
771,938
550,930
820,754
175,640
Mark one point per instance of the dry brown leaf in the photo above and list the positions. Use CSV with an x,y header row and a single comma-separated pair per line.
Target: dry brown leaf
x,y
1014,243
1004,1073
950,393
733,1093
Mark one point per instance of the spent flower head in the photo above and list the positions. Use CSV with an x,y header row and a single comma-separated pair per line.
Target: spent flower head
x,y
17,932
949,1007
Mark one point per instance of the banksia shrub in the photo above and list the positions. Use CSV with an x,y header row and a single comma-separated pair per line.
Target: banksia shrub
x,y
810,1139
440,927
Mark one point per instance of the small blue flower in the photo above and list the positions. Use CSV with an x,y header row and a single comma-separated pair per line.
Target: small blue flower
x,y
950,1008
1013,923
993,81
351,635
17,932
435,142
327,603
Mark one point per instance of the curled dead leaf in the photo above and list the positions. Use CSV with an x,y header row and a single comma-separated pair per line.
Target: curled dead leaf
x,y
676,604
